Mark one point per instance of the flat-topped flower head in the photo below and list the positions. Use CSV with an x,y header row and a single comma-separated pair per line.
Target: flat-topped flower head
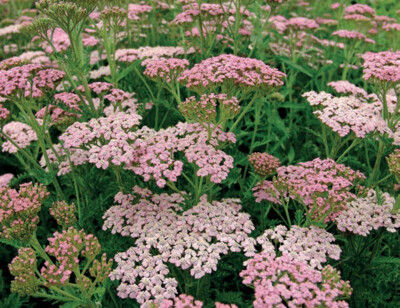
x,y
281,281
19,211
165,69
382,66
353,35
194,240
363,215
311,245
69,248
324,186
230,72
21,134
348,114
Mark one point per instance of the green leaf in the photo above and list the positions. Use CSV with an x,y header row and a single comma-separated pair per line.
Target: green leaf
x,y
71,305
13,243
291,154
296,66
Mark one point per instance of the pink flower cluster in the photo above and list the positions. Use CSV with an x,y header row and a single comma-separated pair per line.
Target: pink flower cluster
x,y
231,71
205,110
382,66
5,179
348,114
167,69
23,267
281,281
183,301
346,87
324,186
366,214
301,23
16,80
194,240
361,9
63,213
21,134
68,248
393,161
353,35
264,164
131,55
311,245
19,210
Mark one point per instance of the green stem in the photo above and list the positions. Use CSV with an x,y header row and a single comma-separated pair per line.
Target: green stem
x,y
242,114
379,155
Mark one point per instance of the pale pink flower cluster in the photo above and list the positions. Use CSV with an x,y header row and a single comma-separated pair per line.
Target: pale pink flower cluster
x,y
33,57
136,10
44,82
194,240
115,130
382,66
353,35
264,164
348,114
20,133
230,70
366,214
324,186
148,153
69,248
19,210
311,245
282,281
183,301
12,29
16,80
301,23
346,87
391,27
5,179
167,69
362,9
101,72
4,112
131,55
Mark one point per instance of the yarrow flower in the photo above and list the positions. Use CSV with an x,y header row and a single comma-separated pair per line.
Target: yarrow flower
x,y
23,268
393,161
193,240
372,212
69,248
311,245
5,179
348,114
208,108
230,72
63,213
324,186
382,66
353,35
19,210
280,281
21,134
166,69
264,164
